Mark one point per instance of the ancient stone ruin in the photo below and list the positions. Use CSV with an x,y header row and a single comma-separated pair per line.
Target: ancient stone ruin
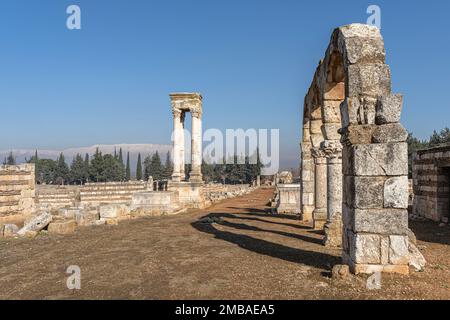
x,y
354,155
431,176
61,209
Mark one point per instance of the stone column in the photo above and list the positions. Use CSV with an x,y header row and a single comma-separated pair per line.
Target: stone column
x,y
333,227
177,131
196,147
320,210
182,153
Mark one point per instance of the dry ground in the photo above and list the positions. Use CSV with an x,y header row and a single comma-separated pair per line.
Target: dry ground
x,y
248,255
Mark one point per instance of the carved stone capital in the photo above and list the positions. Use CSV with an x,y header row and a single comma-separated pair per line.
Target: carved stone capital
x,y
332,149
318,153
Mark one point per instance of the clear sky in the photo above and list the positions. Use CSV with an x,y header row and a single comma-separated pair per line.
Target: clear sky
x,y
253,61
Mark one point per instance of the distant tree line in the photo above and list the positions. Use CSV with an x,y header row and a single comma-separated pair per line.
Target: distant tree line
x,y
99,168
436,139
112,168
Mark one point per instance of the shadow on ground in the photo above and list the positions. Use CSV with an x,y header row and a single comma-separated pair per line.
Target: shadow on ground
x,y
296,255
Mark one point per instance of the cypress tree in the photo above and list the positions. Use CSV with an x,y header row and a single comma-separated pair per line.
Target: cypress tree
x,y
62,170
128,169
139,168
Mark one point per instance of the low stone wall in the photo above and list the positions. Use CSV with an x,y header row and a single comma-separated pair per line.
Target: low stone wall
x,y
110,192
17,191
90,194
55,197
431,183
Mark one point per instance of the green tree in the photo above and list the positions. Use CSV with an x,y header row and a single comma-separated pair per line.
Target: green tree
x,y
47,171
112,168
10,159
96,169
77,170
168,167
62,170
440,138
86,167
153,167
128,169
139,168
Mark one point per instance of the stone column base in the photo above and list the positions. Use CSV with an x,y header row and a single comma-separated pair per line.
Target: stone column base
x,y
320,218
333,234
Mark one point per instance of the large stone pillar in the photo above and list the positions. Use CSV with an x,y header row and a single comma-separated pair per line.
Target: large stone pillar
x,y
182,148
333,227
320,210
177,132
196,147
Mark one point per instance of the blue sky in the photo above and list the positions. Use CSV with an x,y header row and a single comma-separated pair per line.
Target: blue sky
x,y
253,61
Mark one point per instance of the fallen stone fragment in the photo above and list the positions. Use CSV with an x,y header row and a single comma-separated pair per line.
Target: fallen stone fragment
x,y
62,227
340,272
416,259
36,224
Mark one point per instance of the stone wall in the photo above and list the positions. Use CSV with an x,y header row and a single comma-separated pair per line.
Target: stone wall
x,y
17,191
431,183
90,194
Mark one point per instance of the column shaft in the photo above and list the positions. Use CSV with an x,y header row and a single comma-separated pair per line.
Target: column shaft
x,y
196,148
176,145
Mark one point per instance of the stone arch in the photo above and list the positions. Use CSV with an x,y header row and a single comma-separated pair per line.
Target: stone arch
x,y
365,180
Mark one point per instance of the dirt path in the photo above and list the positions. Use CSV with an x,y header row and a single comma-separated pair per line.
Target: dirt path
x,y
247,255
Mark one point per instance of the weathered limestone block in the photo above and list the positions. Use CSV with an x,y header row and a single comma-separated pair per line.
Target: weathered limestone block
x,y
340,272
62,227
366,249
331,112
331,131
358,111
379,221
359,134
389,108
377,159
36,224
364,192
334,92
364,50
392,132
9,230
396,194
372,79
398,250
87,217
113,211
316,127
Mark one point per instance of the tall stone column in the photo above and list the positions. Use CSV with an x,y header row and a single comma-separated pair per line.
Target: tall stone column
x,y
320,210
177,131
196,147
182,149
333,227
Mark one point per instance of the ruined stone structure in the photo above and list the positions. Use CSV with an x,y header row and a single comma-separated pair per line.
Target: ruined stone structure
x,y
17,191
431,183
354,155
287,199
181,104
